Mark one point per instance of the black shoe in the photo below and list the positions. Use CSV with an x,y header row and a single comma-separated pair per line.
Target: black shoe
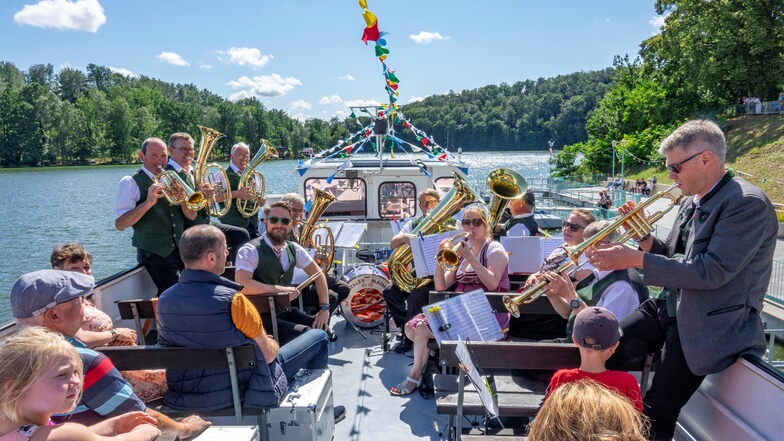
x,y
332,336
403,346
340,413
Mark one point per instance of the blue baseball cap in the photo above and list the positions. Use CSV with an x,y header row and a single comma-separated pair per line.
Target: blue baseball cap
x,y
599,325
35,293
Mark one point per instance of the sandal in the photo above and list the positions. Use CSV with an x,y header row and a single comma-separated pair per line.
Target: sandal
x,y
401,388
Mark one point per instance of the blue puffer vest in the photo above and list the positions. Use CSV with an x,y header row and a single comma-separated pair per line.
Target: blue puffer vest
x,y
196,313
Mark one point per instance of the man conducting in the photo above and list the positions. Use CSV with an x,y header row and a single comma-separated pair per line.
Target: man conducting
x,y
157,225
715,266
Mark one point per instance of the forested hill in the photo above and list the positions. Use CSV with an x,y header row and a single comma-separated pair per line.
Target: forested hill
x,y
521,116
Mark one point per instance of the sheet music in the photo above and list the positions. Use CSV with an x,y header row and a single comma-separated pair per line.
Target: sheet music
x,y
549,245
396,226
469,316
424,250
350,234
525,253
335,227
479,382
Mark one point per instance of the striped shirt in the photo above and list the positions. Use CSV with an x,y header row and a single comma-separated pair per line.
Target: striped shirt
x,y
104,391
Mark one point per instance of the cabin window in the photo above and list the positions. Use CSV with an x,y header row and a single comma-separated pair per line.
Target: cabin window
x,y
350,195
445,184
397,199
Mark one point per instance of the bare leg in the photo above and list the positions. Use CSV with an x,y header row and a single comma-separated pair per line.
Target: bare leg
x,y
420,335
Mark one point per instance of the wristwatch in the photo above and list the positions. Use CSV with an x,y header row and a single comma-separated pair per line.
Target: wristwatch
x,y
575,303
324,307
115,334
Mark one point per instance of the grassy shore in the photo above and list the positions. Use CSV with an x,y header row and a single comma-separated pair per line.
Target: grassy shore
x,y
755,148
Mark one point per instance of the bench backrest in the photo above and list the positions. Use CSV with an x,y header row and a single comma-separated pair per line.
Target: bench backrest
x,y
496,299
166,357
514,355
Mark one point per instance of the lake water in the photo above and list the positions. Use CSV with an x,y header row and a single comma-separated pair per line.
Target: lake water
x,y
46,207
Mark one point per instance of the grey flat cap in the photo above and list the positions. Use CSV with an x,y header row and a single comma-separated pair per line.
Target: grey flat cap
x,y
34,293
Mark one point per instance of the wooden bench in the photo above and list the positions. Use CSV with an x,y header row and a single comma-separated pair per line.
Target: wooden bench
x,y
160,357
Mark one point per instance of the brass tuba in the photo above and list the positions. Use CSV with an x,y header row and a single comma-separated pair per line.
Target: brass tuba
x,y
178,191
458,197
506,185
636,223
319,237
213,174
253,181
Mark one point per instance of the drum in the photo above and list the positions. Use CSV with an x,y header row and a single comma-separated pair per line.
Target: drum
x,y
365,303
382,254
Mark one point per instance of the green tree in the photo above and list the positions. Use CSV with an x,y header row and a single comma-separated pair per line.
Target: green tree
x,y
72,84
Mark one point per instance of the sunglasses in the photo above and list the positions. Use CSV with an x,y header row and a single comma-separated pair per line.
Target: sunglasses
x,y
574,227
474,222
676,168
274,220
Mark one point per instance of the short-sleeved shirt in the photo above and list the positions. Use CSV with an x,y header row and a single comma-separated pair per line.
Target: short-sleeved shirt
x,y
128,194
104,391
248,256
623,383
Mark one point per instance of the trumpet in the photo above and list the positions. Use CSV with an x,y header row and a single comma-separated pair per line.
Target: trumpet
x,y
447,257
636,223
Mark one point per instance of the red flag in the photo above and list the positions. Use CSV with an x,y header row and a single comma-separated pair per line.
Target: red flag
x,y
442,157
371,34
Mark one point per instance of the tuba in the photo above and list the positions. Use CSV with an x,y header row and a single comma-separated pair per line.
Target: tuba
x,y
253,181
636,223
458,197
213,174
178,191
506,185
319,237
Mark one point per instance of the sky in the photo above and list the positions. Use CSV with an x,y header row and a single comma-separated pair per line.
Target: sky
x,y
306,57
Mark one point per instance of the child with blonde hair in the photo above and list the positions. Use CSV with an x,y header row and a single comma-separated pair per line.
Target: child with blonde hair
x,y
41,374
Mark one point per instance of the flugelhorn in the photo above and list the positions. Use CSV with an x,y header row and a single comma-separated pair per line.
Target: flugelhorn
x,y
178,191
447,257
253,181
636,223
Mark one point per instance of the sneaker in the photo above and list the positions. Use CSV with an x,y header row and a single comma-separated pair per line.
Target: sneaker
x,y
340,413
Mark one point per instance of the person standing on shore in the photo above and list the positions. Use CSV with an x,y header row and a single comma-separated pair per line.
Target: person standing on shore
x,y
715,266
157,225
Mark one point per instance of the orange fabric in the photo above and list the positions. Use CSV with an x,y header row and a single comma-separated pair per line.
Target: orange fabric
x,y
245,316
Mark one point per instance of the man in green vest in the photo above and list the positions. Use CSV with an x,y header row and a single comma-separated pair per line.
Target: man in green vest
x,y
240,156
157,225
181,156
522,222
266,265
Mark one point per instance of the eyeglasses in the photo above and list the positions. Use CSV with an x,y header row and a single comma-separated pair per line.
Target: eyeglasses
x,y
274,220
475,222
676,168
428,202
574,227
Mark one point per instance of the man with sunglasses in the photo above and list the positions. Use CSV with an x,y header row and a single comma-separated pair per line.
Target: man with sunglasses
x,y
266,264
715,266
405,305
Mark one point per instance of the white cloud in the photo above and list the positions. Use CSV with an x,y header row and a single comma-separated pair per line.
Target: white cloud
x,y
346,77
299,116
427,37
359,103
205,66
414,99
262,86
658,21
301,105
123,71
173,58
330,99
247,56
80,15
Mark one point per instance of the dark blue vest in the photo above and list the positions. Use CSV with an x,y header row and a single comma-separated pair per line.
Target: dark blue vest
x,y
196,313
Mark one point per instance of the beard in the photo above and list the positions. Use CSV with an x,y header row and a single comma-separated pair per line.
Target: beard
x,y
277,236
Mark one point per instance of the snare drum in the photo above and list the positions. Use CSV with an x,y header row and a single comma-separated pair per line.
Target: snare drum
x,y
365,304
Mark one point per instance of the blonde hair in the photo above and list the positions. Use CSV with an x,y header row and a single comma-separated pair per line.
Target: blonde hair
x,y
585,410
479,211
586,215
24,359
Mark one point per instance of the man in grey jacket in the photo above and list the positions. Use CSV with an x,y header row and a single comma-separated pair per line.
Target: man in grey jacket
x,y
715,267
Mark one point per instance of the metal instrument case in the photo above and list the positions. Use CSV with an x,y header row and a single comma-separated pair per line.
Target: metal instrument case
x,y
307,411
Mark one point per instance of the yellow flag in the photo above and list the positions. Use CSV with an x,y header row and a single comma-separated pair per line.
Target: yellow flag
x,y
370,19
363,4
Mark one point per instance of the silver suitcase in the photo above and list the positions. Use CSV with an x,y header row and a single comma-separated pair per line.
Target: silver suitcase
x,y
306,412
234,433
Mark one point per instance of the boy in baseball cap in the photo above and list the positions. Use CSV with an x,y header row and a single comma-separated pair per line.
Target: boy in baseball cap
x,y
596,332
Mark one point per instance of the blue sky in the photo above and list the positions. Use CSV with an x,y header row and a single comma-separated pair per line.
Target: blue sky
x,y
306,57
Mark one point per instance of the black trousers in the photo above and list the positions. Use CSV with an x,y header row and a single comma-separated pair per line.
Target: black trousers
x,y
236,237
164,271
405,305
338,291
646,330
291,324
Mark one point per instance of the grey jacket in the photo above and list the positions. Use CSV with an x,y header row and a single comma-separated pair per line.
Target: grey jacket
x,y
723,276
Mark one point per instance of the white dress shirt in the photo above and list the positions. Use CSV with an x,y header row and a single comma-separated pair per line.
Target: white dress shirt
x,y
248,256
619,298
128,194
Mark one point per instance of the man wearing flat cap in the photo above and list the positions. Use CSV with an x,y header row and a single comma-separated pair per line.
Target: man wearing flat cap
x,y
53,299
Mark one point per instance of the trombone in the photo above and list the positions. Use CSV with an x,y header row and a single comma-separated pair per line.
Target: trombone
x,y
636,223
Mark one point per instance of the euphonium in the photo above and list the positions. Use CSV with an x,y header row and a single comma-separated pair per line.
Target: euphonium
x,y
178,191
213,174
253,181
458,197
447,257
636,223
319,237
506,185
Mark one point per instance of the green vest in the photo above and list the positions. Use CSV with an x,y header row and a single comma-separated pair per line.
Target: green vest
x,y
591,294
451,222
160,229
202,217
269,270
233,217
